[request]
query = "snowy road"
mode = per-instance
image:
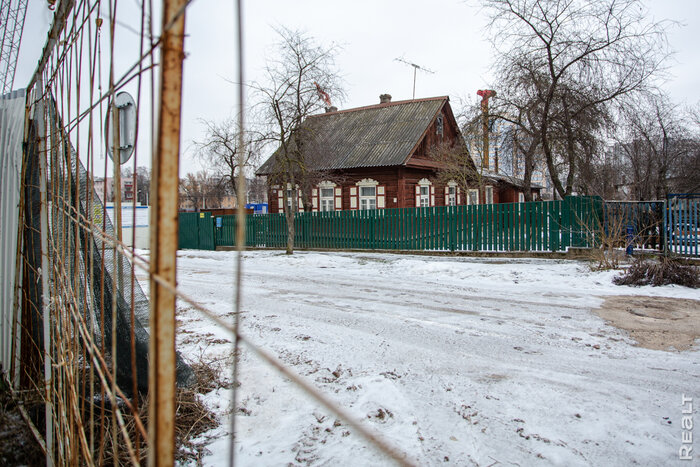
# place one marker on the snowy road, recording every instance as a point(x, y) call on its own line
point(454, 360)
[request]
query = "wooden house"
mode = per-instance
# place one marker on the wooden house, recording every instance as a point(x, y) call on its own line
point(379, 156)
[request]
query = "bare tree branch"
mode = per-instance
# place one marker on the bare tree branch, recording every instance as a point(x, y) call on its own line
point(571, 59)
point(287, 97)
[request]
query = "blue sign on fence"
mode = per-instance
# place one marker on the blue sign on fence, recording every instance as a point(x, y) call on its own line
point(219, 222)
point(630, 240)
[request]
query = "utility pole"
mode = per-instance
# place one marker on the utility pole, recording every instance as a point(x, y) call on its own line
point(415, 69)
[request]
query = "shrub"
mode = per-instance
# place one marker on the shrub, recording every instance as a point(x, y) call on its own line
point(660, 272)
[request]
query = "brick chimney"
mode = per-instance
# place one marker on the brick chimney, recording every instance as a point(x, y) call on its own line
point(384, 98)
point(332, 108)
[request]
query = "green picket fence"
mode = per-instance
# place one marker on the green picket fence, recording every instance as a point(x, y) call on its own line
point(535, 226)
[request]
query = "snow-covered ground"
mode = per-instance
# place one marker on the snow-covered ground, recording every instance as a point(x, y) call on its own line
point(453, 360)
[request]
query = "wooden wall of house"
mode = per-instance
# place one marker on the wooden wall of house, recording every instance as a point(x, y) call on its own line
point(400, 188)
point(505, 194)
point(385, 176)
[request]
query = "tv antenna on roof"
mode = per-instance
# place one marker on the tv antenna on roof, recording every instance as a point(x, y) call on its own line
point(415, 68)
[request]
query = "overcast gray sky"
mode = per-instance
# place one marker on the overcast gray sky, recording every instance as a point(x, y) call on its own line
point(446, 36)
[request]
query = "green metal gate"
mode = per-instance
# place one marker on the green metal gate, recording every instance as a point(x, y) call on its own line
point(196, 231)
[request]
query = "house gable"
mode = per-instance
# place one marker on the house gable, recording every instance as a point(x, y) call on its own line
point(443, 128)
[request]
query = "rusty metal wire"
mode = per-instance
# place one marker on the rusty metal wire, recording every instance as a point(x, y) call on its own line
point(86, 404)
point(75, 271)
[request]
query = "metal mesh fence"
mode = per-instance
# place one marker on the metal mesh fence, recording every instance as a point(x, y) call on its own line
point(94, 350)
point(82, 315)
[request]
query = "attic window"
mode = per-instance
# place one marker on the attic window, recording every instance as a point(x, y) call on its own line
point(439, 125)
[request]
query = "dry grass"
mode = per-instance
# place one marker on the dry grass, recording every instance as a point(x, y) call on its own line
point(660, 272)
point(192, 419)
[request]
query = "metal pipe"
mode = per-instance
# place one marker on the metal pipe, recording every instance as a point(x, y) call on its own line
point(164, 238)
point(44, 215)
point(240, 226)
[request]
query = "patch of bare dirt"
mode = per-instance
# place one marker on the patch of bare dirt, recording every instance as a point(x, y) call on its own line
point(17, 444)
point(657, 323)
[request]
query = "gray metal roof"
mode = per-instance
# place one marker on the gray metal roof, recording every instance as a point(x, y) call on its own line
point(375, 136)
point(518, 182)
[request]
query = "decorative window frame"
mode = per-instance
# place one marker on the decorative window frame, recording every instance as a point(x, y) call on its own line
point(317, 199)
point(425, 183)
point(280, 198)
point(356, 194)
point(457, 193)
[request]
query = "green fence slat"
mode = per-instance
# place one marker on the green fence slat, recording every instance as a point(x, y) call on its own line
point(540, 227)
point(493, 237)
point(491, 227)
point(430, 239)
point(413, 236)
point(508, 219)
point(533, 227)
point(500, 236)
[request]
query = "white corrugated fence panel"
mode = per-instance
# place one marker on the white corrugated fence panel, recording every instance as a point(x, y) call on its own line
point(12, 108)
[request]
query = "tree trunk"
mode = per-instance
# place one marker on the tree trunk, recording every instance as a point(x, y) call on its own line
point(290, 231)
point(529, 166)
point(289, 213)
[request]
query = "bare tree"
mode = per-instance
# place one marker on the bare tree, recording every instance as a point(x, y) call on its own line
point(577, 56)
point(461, 161)
point(516, 109)
point(660, 150)
point(313, 139)
point(257, 189)
point(191, 192)
point(456, 165)
point(202, 190)
point(143, 185)
point(288, 96)
point(220, 149)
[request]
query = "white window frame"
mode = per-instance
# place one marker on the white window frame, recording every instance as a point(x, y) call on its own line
point(290, 194)
point(367, 202)
point(424, 192)
point(521, 197)
point(488, 194)
point(326, 203)
point(451, 194)
point(424, 196)
point(473, 196)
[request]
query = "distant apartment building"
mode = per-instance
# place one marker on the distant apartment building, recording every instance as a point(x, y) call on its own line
point(104, 187)
point(505, 159)
point(203, 202)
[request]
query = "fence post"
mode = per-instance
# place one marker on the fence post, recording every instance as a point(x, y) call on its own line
point(45, 293)
point(164, 233)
